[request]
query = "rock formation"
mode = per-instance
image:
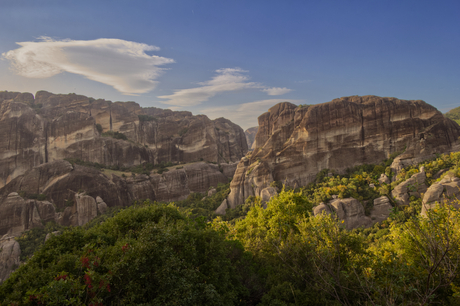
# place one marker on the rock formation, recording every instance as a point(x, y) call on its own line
point(294, 143)
point(48, 127)
point(251, 137)
point(61, 184)
point(444, 192)
point(9, 256)
point(414, 186)
point(351, 211)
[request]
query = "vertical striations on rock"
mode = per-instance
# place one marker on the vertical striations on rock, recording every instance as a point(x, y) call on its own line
point(294, 143)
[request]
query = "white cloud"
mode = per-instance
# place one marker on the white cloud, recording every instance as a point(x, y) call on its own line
point(122, 64)
point(227, 79)
point(245, 114)
point(276, 91)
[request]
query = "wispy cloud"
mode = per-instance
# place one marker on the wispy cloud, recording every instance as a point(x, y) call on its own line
point(276, 91)
point(227, 79)
point(245, 114)
point(122, 64)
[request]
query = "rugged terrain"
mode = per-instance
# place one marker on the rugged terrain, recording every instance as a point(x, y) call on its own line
point(294, 143)
point(42, 133)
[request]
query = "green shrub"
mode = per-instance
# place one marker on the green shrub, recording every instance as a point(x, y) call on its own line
point(116, 135)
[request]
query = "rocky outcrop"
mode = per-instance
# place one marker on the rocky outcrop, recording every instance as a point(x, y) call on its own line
point(414, 186)
point(381, 210)
point(294, 143)
point(221, 210)
point(444, 192)
point(351, 212)
point(50, 127)
point(86, 208)
point(18, 215)
point(251, 137)
point(266, 194)
point(10, 253)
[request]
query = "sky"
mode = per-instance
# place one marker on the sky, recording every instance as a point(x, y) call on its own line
point(232, 59)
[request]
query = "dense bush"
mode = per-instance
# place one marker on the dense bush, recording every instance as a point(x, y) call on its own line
point(149, 253)
point(159, 254)
point(116, 135)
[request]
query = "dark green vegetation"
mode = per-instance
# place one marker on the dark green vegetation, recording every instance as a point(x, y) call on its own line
point(454, 114)
point(144, 168)
point(158, 254)
point(144, 118)
point(116, 135)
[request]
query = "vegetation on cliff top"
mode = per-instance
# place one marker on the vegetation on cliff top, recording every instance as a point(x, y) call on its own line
point(454, 114)
point(163, 254)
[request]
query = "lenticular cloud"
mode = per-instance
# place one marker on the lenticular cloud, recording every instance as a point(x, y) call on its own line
point(122, 64)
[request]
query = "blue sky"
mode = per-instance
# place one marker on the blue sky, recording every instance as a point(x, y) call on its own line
point(232, 59)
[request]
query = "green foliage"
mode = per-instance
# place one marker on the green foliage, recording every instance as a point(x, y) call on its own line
point(195, 206)
point(183, 131)
point(116, 135)
point(144, 254)
point(31, 240)
point(33, 196)
point(454, 114)
point(144, 118)
point(99, 128)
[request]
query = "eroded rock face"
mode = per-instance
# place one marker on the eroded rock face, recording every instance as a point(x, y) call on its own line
point(60, 182)
point(52, 127)
point(294, 143)
point(10, 254)
point(18, 215)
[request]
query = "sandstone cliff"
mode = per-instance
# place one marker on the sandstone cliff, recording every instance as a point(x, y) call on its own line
point(294, 143)
point(49, 127)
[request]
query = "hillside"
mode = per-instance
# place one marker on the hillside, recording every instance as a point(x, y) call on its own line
point(151, 252)
point(454, 114)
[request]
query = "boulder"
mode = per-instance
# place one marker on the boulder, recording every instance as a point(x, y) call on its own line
point(49, 235)
point(212, 191)
point(444, 192)
point(321, 209)
point(351, 211)
point(384, 179)
point(381, 210)
point(414, 186)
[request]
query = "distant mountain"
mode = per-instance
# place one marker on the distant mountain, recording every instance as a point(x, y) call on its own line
point(454, 114)
point(251, 136)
